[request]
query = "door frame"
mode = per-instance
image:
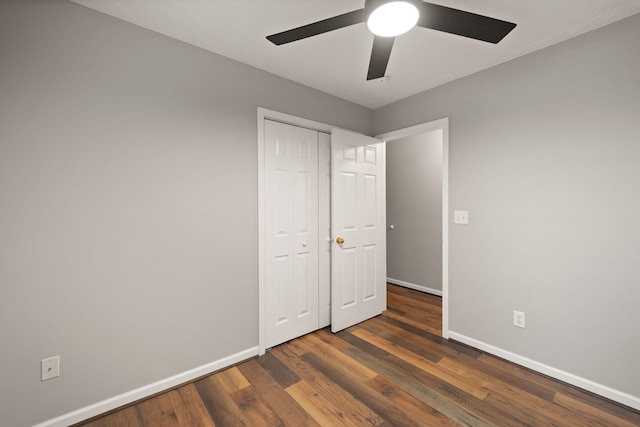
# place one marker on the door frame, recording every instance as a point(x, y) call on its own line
point(266, 114)
point(440, 124)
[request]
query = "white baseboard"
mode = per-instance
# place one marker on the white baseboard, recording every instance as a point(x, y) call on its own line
point(148, 390)
point(599, 389)
point(415, 287)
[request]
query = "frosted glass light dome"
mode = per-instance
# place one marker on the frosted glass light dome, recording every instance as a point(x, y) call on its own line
point(393, 18)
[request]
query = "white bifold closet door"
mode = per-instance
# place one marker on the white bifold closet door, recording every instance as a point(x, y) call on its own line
point(291, 231)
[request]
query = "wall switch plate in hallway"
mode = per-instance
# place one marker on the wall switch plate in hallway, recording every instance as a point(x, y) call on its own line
point(461, 217)
point(50, 368)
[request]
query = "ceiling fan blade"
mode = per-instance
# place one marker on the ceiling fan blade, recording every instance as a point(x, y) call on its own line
point(463, 23)
point(324, 26)
point(379, 57)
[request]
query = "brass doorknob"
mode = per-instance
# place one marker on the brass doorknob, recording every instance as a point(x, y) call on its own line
point(339, 240)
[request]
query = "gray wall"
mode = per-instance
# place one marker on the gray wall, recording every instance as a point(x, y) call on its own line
point(414, 208)
point(128, 204)
point(545, 155)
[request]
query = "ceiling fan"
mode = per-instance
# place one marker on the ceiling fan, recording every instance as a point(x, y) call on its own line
point(387, 19)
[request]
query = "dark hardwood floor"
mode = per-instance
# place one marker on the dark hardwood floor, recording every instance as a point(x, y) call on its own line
point(393, 370)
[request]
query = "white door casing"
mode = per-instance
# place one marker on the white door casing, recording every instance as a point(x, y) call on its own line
point(291, 231)
point(324, 225)
point(358, 217)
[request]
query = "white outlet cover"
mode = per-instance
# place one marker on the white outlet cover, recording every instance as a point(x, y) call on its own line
point(518, 319)
point(50, 368)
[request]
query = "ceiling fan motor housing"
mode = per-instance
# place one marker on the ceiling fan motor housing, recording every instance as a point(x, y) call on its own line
point(371, 5)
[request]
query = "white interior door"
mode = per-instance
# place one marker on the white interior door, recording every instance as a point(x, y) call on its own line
point(358, 224)
point(291, 231)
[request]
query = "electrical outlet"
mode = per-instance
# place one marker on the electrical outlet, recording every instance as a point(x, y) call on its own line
point(50, 368)
point(518, 319)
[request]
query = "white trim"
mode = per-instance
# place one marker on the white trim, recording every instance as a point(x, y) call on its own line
point(415, 287)
point(265, 114)
point(261, 245)
point(583, 383)
point(148, 390)
point(445, 228)
point(383, 260)
point(414, 130)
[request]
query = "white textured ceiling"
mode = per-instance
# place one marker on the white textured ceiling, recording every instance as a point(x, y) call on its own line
point(337, 62)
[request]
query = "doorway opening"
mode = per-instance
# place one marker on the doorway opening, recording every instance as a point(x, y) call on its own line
point(435, 132)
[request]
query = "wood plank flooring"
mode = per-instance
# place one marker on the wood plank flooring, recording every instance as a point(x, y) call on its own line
point(393, 370)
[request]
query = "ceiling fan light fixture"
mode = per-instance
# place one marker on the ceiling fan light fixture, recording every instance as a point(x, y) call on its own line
point(393, 18)
point(401, 16)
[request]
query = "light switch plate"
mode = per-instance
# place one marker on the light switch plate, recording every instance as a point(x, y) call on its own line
point(461, 217)
point(50, 368)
